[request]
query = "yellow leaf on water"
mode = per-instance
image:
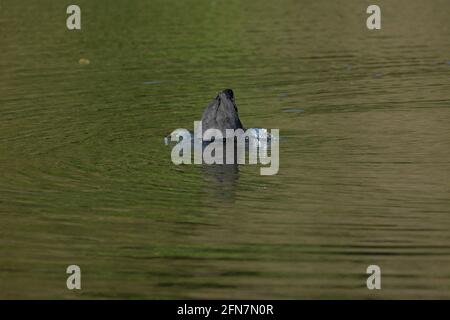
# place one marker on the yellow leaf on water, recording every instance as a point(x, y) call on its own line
point(84, 61)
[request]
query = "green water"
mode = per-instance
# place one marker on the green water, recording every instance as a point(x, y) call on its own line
point(86, 179)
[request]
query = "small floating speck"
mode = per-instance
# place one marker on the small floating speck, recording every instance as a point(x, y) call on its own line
point(448, 62)
point(152, 82)
point(293, 110)
point(84, 61)
point(377, 75)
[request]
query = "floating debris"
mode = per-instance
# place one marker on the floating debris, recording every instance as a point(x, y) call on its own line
point(448, 62)
point(84, 61)
point(377, 75)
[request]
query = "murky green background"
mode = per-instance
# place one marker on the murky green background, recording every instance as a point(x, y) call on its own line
point(86, 179)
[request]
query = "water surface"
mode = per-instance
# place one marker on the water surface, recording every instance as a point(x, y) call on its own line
point(86, 179)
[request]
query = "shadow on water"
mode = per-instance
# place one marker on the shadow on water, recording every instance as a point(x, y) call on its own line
point(222, 176)
point(222, 179)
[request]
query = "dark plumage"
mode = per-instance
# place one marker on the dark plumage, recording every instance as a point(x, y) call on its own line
point(222, 113)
